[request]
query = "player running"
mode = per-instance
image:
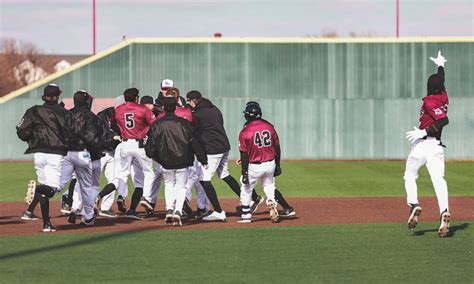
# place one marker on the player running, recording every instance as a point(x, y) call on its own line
point(427, 149)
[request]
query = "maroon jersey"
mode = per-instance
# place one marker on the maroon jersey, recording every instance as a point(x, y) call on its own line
point(134, 120)
point(434, 107)
point(258, 139)
point(183, 112)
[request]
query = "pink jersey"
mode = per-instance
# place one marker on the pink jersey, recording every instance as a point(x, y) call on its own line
point(134, 120)
point(183, 112)
point(258, 139)
point(434, 107)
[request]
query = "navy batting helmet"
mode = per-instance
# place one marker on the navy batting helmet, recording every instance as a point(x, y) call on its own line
point(252, 111)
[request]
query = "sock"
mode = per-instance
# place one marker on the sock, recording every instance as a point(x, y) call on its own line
point(137, 194)
point(281, 200)
point(70, 191)
point(254, 195)
point(107, 190)
point(234, 185)
point(44, 203)
point(35, 201)
point(211, 195)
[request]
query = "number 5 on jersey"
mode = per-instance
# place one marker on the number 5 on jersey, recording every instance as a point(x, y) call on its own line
point(129, 122)
point(262, 139)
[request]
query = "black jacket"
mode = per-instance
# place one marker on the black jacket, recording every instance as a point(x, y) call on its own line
point(210, 127)
point(108, 128)
point(173, 143)
point(86, 132)
point(47, 129)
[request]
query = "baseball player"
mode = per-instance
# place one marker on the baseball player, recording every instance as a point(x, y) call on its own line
point(259, 148)
point(173, 143)
point(83, 158)
point(47, 130)
point(427, 149)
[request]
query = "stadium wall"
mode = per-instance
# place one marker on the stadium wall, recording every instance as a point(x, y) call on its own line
point(328, 98)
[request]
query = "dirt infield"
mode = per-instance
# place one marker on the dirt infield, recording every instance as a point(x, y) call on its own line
point(309, 211)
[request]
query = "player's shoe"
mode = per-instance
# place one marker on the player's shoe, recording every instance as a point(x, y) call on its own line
point(177, 219)
point(72, 217)
point(254, 204)
point(132, 214)
point(47, 228)
point(201, 212)
point(245, 218)
point(121, 204)
point(415, 212)
point(97, 202)
point(187, 210)
point(30, 192)
point(272, 206)
point(65, 208)
point(445, 218)
point(287, 213)
point(215, 216)
point(169, 216)
point(147, 205)
point(108, 213)
point(29, 216)
point(89, 222)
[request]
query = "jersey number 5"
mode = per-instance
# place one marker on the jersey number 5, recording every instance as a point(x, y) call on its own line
point(262, 139)
point(129, 122)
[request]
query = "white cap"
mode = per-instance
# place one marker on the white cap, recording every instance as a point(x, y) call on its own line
point(167, 83)
point(120, 100)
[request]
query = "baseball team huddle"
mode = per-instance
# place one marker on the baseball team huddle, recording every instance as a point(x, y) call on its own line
point(183, 143)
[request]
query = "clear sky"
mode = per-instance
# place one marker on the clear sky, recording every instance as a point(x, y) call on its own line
point(65, 26)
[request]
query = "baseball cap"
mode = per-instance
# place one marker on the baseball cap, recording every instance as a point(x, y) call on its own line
point(51, 90)
point(167, 83)
point(146, 100)
point(193, 95)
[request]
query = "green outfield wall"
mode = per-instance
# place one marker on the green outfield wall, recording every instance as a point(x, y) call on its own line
point(328, 99)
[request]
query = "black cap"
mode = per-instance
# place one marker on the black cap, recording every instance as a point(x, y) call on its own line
point(193, 95)
point(51, 90)
point(169, 104)
point(146, 100)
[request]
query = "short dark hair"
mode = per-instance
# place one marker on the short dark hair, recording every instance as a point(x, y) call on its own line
point(169, 104)
point(193, 95)
point(130, 94)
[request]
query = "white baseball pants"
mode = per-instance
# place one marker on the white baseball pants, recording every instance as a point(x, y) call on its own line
point(426, 152)
point(263, 171)
point(175, 188)
point(48, 169)
point(107, 165)
point(195, 174)
point(216, 163)
point(151, 193)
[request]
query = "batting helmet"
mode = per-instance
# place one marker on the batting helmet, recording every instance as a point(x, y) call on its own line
point(252, 111)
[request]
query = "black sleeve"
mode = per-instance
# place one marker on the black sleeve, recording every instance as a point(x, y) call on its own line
point(278, 154)
point(91, 134)
point(150, 144)
point(441, 73)
point(25, 127)
point(244, 162)
point(437, 126)
point(196, 144)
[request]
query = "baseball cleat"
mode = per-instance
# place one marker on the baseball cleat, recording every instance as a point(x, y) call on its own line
point(287, 213)
point(72, 217)
point(274, 216)
point(30, 193)
point(65, 209)
point(147, 205)
point(254, 204)
point(89, 222)
point(215, 216)
point(245, 218)
point(415, 212)
point(132, 214)
point(169, 216)
point(444, 226)
point(107, 213)
point(200, 213)
point(121, 204)
point(49, 228)
point(177, 219)
point(29, 216)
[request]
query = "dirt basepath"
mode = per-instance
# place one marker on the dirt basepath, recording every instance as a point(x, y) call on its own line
point(309, 211)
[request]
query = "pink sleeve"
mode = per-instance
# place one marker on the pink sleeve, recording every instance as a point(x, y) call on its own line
point(435, 109)
point(242, 145)
point(149, 116)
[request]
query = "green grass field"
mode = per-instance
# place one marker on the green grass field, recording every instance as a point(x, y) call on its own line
point(306, 254)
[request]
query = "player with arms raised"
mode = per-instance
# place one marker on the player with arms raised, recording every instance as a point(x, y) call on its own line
point(259, 148)
point(428, 149)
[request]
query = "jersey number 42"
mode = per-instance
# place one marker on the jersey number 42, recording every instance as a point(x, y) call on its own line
point(262, 139)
